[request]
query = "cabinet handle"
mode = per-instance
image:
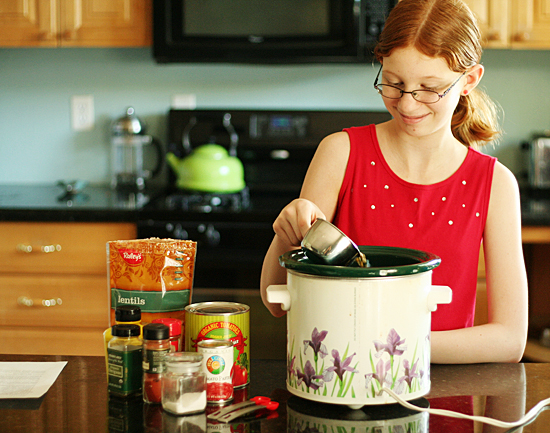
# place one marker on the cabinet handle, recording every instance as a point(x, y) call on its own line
point(494, 36)
point(28, 302)
point(46, 36)
point(26, 248)
point(70, 35)
point(522, 37)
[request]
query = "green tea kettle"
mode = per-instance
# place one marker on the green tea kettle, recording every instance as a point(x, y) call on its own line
point(210, 167)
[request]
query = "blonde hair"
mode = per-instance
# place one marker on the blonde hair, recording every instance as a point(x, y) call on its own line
point(446, 29)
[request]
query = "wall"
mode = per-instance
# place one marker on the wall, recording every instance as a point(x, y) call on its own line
point(37, 144)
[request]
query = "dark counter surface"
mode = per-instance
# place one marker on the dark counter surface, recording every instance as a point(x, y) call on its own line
point(78, 401)
point(98, 203)
point(52, 203)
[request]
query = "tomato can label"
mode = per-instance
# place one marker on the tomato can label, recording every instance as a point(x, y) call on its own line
point(217, 364)
point(222, 321)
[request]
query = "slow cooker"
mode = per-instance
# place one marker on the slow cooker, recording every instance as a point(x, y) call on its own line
point(353, 331)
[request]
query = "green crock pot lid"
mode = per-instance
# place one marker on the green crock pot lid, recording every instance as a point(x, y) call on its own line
point(384, 262)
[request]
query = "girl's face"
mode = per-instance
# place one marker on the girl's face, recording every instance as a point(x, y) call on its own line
point(410, 70)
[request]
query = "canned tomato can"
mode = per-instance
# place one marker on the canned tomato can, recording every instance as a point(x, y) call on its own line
point(222, 321)
point(217, 363)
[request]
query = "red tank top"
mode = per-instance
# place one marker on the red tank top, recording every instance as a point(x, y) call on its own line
point(376, 207)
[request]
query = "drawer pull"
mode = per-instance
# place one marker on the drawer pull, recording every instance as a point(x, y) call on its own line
point(26, 248)
point(28, 302)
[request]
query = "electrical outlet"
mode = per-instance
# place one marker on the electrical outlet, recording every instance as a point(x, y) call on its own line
point(184, 101)
point(82, 112)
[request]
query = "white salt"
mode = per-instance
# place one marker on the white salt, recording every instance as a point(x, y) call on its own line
point(188, 403)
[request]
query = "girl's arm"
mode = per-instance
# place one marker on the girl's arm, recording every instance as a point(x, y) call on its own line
point(318, 199)
point(504, 337)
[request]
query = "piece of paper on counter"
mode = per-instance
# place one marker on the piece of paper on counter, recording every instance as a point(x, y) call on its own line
point(28, 379)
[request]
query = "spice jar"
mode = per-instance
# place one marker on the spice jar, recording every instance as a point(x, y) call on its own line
point(175, 331)
point(125, 361)
point(156, 344)
point(124, 315)
point(184, 384)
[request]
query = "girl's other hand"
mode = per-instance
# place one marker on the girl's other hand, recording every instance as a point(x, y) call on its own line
point(295, 220)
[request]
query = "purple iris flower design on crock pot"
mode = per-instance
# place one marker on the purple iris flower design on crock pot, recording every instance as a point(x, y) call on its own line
point(340, 366)
point(290, 366)
point(316, 343)
point(382, 374)
point(309, 377)
point(410, 373)
point(394, 345)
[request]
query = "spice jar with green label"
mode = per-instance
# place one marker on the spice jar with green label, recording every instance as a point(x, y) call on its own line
point(156, 344)
point(124, 355)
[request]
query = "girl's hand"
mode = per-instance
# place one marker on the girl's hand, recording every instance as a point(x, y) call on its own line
point(295, 220)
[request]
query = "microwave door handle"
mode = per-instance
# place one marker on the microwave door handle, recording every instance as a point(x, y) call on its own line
point(233, 136)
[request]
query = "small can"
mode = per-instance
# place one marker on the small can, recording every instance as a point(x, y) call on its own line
point(221, 321)
point(217, 363)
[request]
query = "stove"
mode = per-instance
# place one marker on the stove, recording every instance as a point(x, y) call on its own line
point(207, 202)
point(234, 231)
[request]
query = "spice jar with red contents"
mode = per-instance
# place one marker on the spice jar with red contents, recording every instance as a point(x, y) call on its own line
point(175, 331)
point(156, 344)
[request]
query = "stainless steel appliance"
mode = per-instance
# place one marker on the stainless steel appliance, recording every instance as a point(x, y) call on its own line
point(539, 162)
point(267, 31)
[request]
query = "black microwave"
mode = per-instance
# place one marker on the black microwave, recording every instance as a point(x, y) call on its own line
point(267, 31)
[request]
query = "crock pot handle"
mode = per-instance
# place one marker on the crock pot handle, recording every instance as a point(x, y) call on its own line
point(439, 295)
point(279, 294)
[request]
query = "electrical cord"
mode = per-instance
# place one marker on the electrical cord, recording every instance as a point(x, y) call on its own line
point(486, 420)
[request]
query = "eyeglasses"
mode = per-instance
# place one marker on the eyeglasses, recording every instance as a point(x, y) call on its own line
point(424, 96)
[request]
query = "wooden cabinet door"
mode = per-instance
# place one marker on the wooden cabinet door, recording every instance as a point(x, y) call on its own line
point(58, 248)
point(492, 16)
point(30, 23)
point(81, 301)
point(530, 25)
point(75, 23)
point(105, 23)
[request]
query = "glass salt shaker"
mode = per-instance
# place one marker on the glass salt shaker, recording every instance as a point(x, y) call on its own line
point(183, 383)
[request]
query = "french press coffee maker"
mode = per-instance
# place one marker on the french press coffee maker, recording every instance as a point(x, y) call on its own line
point(128, 141)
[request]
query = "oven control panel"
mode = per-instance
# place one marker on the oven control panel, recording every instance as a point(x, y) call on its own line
point(276, 126)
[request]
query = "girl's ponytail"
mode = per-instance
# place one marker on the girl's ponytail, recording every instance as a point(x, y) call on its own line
point(475, 121)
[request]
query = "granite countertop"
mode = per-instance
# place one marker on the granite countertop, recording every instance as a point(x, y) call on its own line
point(78, 401)
point(52, 203)
point(99, 203)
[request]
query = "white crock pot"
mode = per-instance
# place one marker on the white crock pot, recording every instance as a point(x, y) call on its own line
point(352, 331)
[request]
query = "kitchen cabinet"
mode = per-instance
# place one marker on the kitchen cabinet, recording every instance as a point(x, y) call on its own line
point(537, 252)
point(517, 24)
point(75, 23)
point(54, 296)
point(536, 247)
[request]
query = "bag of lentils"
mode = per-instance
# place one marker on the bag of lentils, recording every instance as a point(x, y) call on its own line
point(153, 274)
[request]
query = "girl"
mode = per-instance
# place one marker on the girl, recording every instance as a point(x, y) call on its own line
point(417, 182)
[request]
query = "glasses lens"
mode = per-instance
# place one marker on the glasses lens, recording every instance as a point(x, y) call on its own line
point(389, 91)
point(426, 96)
